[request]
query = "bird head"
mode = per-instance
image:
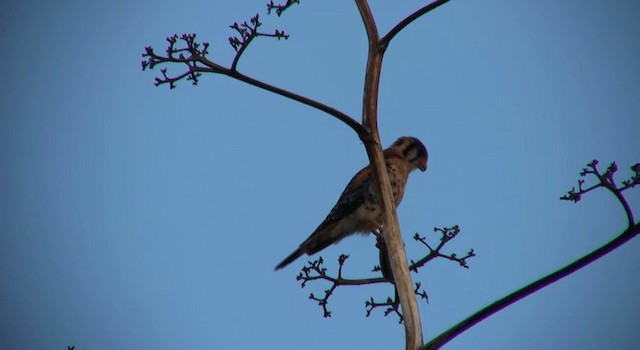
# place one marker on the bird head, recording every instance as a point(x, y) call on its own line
point(413, 152)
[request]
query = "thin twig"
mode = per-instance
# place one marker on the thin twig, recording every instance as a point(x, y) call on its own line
point(315, 271)
point(447, 234)
point(248, 32)
point(606, 180)
point(280, 8)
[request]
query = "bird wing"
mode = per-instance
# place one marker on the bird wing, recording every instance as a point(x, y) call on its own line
point(350, 200)
point(326, 234)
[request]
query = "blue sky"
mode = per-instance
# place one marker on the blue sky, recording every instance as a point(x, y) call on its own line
point(134, 217)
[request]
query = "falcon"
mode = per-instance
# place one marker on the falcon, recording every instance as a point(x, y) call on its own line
point(358, 209)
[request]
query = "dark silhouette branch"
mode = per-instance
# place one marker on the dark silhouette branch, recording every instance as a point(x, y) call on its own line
point(248, 32)
point(491, 309)
point(448, 233)
point(315, 271)
point(384, 42)
point(194, 56)
point(606, 181)
point(352, 123)
point(280, 8)
point(393, 305)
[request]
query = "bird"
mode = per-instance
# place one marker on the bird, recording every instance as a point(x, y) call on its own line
point(358, 209)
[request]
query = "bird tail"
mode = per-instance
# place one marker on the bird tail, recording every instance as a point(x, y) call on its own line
point(288, 260)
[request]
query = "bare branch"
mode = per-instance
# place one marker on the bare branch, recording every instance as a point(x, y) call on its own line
point(447, 234)
point(634, 180)
point(194, 56)
point(391, 233)
point(314, 271)
point(493, 308)
point(363, 134)
point(247, 32)
point(393, 305)
point(606, 181)
point(280, 8)
point(384, 42)
point(368, 21)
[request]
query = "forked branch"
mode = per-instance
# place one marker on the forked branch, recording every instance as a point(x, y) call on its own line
point(193, 55)
point(316, 271)
point(606, 180)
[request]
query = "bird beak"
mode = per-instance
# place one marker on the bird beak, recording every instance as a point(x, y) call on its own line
point(422, 166)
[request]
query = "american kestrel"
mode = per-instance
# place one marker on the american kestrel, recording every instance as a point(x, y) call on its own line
point(358, 209)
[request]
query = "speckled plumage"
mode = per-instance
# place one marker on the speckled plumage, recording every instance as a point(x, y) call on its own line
point(358, 209)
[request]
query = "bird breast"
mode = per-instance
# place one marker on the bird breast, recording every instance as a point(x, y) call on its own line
point(371, 210)
point(398, 174)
